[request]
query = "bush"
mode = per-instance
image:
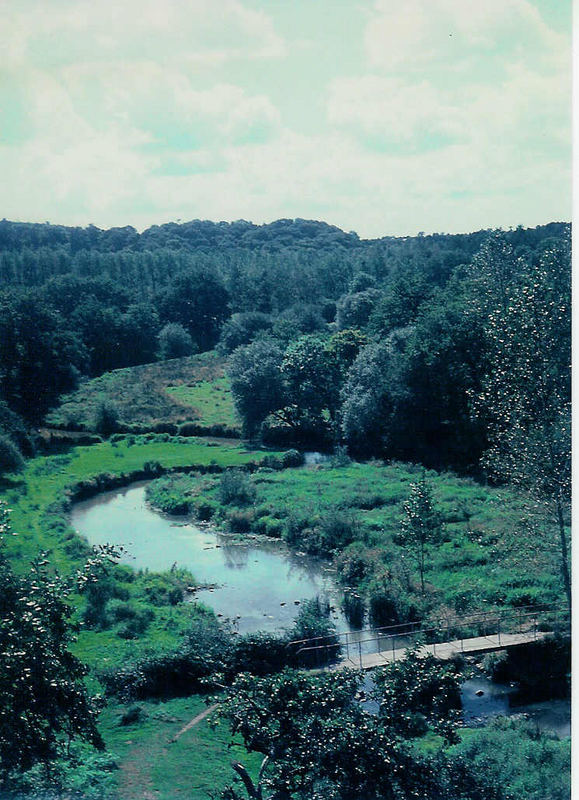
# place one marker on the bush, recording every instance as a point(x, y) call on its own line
point(240, 521)
point(171, 493)
point(11, 459)
point(175, 342)
point(106, 417)
point(132, 715)
point(391, 603)
point(235, 488)
point(206, 650)
point(204, 510)
point(136, 620)
point(292, 458)
point(336, 530)
point(340, 457)
point(313, 622)
point(259, 654)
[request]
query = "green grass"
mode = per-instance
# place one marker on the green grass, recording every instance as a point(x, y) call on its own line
point(153, 766)
point(210, 400)
point(46, 479)
point(495, 549)
point(150, 766)
point(191, 389)
point(39, 523)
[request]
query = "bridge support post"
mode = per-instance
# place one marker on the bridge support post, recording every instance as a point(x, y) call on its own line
point(499, 630)
point(360, 653)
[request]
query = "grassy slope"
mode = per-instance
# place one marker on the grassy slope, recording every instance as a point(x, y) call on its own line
point(192, 389)
point(210, 399)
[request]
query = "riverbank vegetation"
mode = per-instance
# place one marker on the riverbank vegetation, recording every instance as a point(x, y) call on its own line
point(489, 550)
point(440, 362)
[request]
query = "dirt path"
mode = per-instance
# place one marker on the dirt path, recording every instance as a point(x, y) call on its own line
point(194, 722)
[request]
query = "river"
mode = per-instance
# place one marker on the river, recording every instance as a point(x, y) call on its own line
point(259, 584)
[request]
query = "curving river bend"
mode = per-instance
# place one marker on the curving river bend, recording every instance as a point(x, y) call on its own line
point(258, 584)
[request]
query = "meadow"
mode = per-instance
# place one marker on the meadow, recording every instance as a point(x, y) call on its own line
point(164, 395)
point(494, 549)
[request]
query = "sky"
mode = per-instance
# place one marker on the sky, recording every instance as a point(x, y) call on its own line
point(385, 117)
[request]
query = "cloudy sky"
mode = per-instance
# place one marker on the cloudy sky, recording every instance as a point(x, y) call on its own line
point(380, 116)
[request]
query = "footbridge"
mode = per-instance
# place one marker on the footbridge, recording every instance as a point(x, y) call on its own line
point(444, 637)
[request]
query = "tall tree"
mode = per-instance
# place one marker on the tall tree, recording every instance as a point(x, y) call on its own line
point(526, 393)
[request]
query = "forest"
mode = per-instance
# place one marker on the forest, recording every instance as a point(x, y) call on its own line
point(433, 374)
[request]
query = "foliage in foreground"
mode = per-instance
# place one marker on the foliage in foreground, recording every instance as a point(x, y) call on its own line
point(317, 740)
point(43, 702)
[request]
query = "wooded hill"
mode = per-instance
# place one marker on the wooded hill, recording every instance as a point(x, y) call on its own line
point(399, 325)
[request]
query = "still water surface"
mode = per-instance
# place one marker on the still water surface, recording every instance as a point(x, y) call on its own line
point(259, 584)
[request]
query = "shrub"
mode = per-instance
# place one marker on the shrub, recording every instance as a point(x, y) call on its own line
point(204, 510)
point(175, 342)
point(259, 654)
point(354, 564)
point(235, 488)
point(189, 429)
point(152, 468)
point(313, 622)
point(340, 457)
point(132, 715)
point(391, 603)
point(106, 417)
point(240, 521)
point(206, 650)
point(292, 458)
point(11, 459)
point(166, 588)
point(171, 493)
point(333, 531)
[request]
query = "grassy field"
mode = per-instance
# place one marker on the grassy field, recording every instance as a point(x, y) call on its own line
point(494, 550)
point(191, 389)
point(211, 401)
point(154, 766)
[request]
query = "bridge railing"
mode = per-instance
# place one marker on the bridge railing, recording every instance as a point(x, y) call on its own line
point(394, 639)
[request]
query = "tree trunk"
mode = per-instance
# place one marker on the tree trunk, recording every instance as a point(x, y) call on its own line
point(564, 556)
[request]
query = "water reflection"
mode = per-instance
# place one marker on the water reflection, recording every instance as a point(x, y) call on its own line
point(258, 582)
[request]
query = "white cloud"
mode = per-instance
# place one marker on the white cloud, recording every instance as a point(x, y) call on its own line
point(137, 112)
point(393, 111)
point(71, 31)
point(427, 32)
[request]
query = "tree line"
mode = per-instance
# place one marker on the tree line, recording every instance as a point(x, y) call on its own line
point(379, 344)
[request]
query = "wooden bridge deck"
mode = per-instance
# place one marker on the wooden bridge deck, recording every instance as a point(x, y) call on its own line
point(442, 650)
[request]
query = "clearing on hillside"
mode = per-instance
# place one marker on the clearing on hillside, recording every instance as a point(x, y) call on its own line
point(194, 390)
